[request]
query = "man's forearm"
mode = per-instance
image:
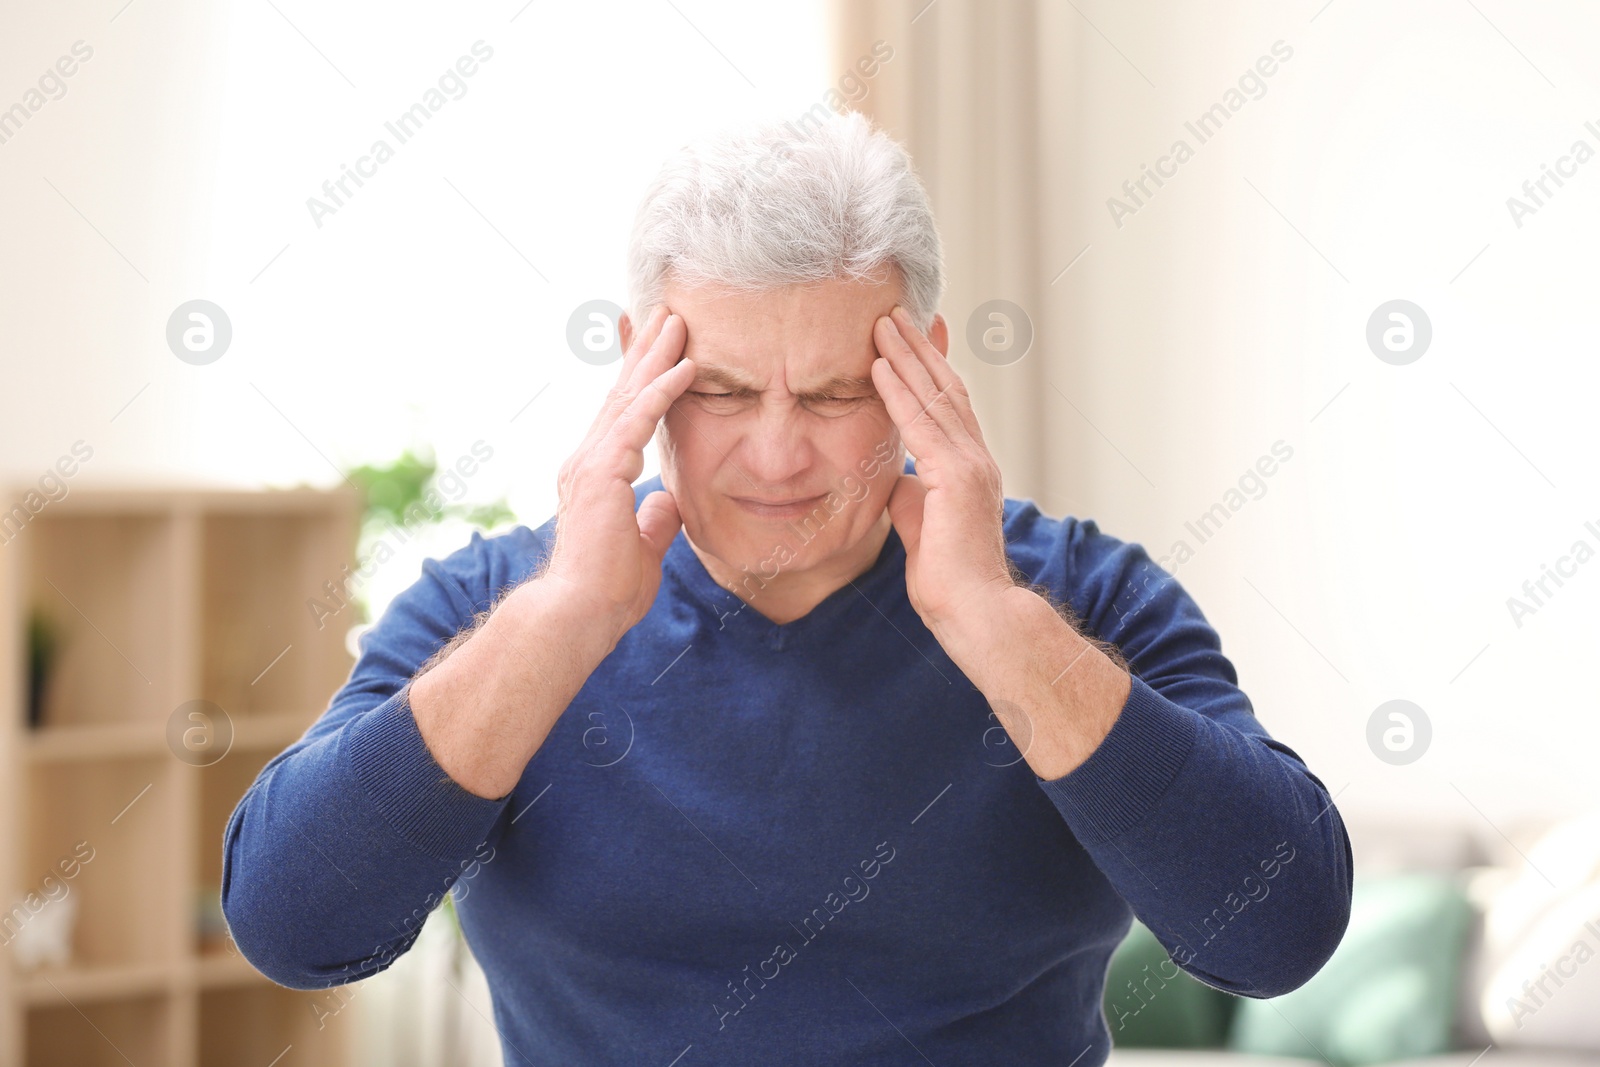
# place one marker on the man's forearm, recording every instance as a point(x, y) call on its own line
point(1186, 816)
point(488, 705)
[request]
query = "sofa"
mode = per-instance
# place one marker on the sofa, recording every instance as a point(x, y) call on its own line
point(1469, 944)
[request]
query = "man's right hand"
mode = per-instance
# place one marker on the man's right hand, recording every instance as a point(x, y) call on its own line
point(606, 555)
point(485, 708)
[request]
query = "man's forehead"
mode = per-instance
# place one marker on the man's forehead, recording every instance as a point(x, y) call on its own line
point(747, 353)
point(734, 378)
point(812, 338)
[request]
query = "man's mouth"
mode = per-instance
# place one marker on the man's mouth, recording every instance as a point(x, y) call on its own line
point(779, 509)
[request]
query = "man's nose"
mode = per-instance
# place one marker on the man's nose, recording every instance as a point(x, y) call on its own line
point(775, 448)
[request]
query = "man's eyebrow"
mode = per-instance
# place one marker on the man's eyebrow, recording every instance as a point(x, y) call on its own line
point(734, 381)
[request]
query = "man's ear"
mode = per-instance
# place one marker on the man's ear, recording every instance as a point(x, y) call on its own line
point(938, 333)
point(625, 331)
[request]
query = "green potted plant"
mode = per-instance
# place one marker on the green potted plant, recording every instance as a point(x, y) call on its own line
point(43, 642)
point(392, 492)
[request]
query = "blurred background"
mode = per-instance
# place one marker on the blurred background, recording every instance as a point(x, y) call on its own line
point(1298, 295)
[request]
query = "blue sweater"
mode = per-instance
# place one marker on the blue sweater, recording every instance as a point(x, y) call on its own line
point(808, 843)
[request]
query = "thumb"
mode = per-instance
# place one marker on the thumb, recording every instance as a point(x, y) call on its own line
point(659, 522)
point(905, 510)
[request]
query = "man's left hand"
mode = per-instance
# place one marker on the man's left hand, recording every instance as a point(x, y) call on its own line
point(949, 513)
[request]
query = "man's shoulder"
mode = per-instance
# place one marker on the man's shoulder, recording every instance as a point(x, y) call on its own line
point(490, 563)
point(1035, 540)
point(1067, 554)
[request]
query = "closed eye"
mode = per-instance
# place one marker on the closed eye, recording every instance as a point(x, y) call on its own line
point(721, 403)
point(837, 404)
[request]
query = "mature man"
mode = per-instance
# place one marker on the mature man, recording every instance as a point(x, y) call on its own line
point(801, 752)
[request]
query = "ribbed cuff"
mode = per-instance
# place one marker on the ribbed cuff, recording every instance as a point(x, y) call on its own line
point(1123, 779)
point(418, 798)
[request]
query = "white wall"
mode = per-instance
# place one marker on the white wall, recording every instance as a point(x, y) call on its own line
point(1194, 336)
point(1227, 313)
point(1379, 561)
point(192, 140)
point(430, 308)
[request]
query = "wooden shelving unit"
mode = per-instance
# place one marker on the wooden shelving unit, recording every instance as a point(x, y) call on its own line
point(159, 598)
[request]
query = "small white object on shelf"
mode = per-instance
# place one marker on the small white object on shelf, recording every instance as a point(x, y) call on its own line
point(45, 935)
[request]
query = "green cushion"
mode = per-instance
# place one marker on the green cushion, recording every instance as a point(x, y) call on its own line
point(1389, 991)
point(1150, 1003)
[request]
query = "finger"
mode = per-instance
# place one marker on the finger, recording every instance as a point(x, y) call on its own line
point(905, 510)
point(662, 353)
point(928, 405)
point(665, 347)
point(932, 359)
point(944, 376)
point(636, 424)
point(620, 449)
point(675, 336)
point(643, 340)
point(938, 404)
point(923, 436)
point(659, 522)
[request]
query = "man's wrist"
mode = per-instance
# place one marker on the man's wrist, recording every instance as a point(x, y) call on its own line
point(554, 605)
point(1060, 693)
point(985, 627)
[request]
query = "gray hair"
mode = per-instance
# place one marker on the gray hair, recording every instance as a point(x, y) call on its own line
point(774, 204)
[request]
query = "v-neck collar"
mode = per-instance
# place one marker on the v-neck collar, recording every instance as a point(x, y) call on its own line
point(731, 614)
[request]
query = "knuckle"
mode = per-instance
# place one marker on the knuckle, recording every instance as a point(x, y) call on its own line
point(572, 470)
point(618, 402)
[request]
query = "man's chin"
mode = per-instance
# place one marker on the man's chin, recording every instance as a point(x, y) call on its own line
point(743, 542)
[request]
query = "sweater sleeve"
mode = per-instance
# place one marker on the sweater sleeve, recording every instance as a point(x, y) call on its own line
point(1217, 835)
point(349, 838)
